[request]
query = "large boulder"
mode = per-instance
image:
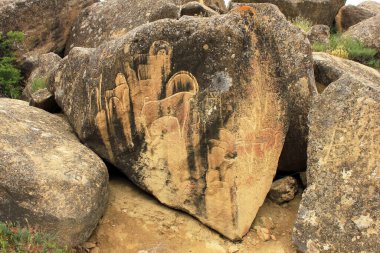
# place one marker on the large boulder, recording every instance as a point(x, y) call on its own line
point(194, 111)
point(112, 19)
point(326, 71)
point(46, 23)
point(367, 32)
point(371, 5)
point(350, 15)
point(48, 179)
point(339, 210)
point(319, 12)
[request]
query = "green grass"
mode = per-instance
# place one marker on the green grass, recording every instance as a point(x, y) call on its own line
point(14, 238)
point(10, 75)
point(349, 48)
point(302, 23)
point(38, 84)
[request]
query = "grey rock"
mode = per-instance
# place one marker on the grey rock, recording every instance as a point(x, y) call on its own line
point(339, 211)
point(283, 190)
point(367, 32)
point(350, 15)
point(319, 33)
point(48, 179)
point(167, 10)
point(328, 69)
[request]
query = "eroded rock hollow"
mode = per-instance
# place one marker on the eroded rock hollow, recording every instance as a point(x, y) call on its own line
point(195, 110)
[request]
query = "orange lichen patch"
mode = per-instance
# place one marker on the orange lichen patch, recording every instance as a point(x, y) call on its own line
point(245, 8)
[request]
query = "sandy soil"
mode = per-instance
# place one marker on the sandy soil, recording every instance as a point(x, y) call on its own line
point(137, 223)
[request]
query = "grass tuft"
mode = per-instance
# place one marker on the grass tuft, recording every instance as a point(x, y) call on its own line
point(349, 48)
point(302, 23)
point(14, 238)
point(38, 84)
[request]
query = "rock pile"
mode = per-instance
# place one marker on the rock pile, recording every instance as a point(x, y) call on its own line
point(200, 107)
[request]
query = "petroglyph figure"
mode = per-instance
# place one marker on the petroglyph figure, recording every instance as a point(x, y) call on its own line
point(194, 150)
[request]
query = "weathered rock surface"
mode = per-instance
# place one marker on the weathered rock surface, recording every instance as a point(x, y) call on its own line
point(46, 23)
point(47, 178)
point(283, 190)
point(114, 18)
point(133, 216)
point(339, 210)
point(293, 156)
point(371, 5)
point(319, 12)
point(319, 33)
point(40, 68)
point(367, 32)
point(193, 110)
point(44, 100)
point(328, 69)
point(350, 15)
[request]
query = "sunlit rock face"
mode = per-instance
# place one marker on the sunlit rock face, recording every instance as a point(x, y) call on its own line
point(194, 111)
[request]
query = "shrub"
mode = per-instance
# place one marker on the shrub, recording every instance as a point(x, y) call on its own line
point(302, 23)
point(10, 76)
point(349, 48)
point(38, 84)
point(13, 238)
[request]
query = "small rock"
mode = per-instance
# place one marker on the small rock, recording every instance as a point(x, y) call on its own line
point(283, 190)
point(319, 34)
point(267, 222)
point(263, 233)
point(233, 249)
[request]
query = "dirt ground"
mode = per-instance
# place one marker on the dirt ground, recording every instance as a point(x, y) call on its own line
point(137, 223)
